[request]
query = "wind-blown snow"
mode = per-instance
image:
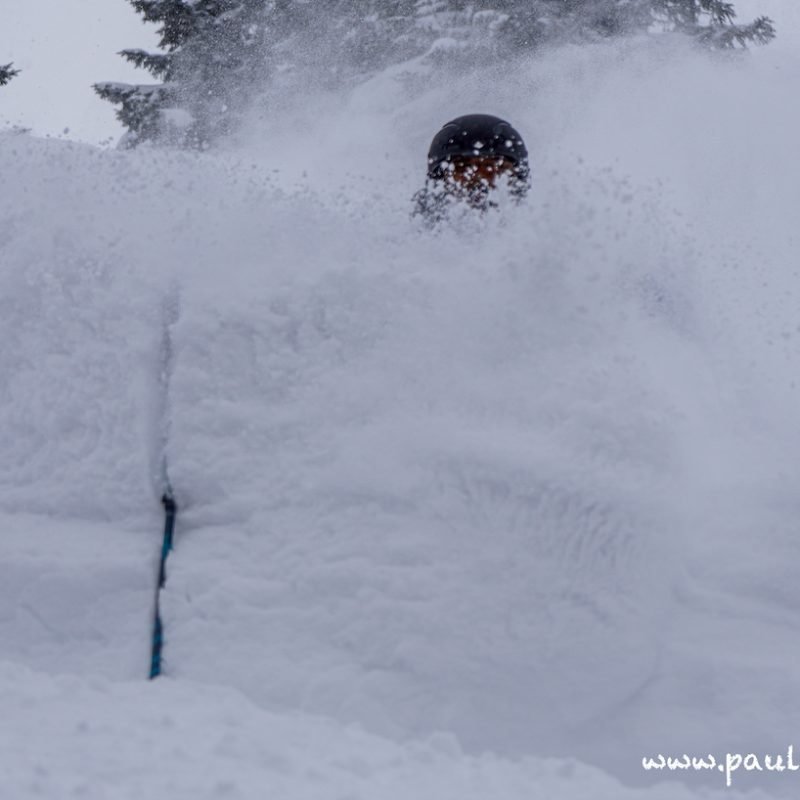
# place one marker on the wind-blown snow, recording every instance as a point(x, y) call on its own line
point(523, 485)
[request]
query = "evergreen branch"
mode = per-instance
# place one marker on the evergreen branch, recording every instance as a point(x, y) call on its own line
point(760, 31)
point(6, 74)
point(178, 18)
point(719, 11)
point(158, 64)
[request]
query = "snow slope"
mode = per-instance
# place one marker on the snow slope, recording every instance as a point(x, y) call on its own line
point(523, 486)
point(183, 740)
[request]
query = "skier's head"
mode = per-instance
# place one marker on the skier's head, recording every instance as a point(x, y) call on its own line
point(470, 153)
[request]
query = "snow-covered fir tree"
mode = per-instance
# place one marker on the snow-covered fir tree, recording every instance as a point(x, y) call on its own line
point(508, 25)
point(7, 73)
point(216, 55)
point(712, 22)
point(212, 57)
point(362, 37)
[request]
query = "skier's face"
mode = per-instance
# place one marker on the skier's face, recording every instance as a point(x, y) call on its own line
point(479, 172)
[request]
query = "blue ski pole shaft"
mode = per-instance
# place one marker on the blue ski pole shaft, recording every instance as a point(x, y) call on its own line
point(170, 513)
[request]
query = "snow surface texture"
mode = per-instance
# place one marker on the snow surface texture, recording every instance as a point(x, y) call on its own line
point(523, 486)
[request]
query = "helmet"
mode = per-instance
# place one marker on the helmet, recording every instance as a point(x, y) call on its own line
point(477, 135)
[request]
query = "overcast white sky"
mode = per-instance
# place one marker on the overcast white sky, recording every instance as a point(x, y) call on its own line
point(64, 46)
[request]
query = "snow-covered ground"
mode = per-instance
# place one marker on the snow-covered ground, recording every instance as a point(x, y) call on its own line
point(491, 512)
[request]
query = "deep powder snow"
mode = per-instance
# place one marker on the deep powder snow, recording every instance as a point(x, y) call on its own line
point(526, 481)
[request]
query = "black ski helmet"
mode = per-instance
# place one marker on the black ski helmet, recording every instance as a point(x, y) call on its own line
point(477, 135)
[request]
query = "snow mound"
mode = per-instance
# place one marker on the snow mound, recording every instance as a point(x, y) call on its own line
point(188, 741)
